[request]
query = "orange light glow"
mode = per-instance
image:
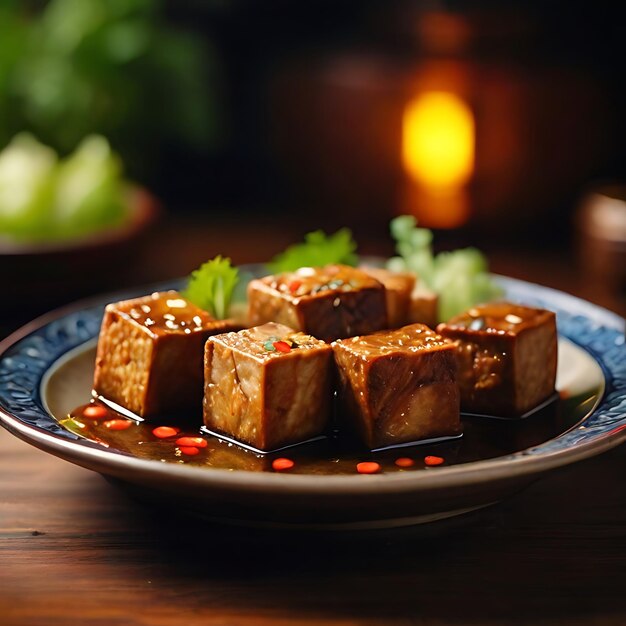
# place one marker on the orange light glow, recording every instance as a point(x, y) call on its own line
point(438, 140)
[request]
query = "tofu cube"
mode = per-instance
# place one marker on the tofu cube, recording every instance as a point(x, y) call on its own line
point(399, 386)
point(423, 306)
point(398, 289)
point(330, 302)
point(268, 386)
point(506, 357)
point(150, 349)
point(408, 300)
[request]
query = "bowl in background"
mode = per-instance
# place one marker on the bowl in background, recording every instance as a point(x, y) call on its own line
point(39, 276)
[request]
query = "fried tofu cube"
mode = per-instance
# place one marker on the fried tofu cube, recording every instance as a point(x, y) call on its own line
point(329, 302)
point(399, 386)
point(423, 306)
point(268, 386)
point(408, 300)
point(398, 289)
point(150, 350)
point(507, 357)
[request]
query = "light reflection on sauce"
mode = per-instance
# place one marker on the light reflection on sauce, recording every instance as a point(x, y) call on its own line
point(165, 312)
point(308, 281)
point(499, 318)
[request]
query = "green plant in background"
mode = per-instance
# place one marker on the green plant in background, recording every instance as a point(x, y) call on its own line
point(74, 67)
point(44, 198)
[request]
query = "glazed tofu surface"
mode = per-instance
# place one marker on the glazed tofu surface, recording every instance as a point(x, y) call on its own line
point(267, 386)
point(149, 357)
point(507, 355)
point(331, 302)
point(399, 386)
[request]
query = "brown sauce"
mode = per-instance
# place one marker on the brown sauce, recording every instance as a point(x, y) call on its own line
point(258, 342)
point(164, 313)
point(405, 340)
point(499, 317)
point(308, 281)
point(483, 438)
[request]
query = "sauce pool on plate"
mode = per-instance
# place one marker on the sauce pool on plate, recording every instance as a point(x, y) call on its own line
point(173, 441)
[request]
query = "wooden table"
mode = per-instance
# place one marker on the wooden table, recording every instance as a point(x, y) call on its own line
point(75, 550)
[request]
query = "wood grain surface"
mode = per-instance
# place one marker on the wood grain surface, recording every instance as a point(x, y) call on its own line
point(75, 550)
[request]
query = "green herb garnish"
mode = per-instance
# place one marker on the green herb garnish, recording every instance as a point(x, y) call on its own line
point(317, 250)
point(211, 286)
point(460, 278)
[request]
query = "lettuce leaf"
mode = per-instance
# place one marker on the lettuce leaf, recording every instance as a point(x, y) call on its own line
point(460, 278)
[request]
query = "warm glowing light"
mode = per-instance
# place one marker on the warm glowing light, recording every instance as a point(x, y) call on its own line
point(438, 140)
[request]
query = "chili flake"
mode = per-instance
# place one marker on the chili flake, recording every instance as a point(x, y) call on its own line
point(189, 450)
point(117, 424)
point(282, 464)
point(95, 412)
point(433, 460)
point(163, 432)
point(282, 346)
point(368, 467)
point(194, 442)
point(404, 461)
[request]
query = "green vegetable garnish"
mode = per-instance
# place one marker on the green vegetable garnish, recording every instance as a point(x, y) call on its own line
point(211, 286)
point(45, 198)
point(73, 425)
point(460, 278)
point(318, 249)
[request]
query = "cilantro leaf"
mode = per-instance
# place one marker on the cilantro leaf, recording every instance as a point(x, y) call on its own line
point(317, 250)
point(211, 286)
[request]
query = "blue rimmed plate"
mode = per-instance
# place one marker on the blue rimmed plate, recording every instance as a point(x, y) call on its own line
point(46, 370)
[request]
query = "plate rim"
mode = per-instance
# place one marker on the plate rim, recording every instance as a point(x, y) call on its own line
point(502, 468)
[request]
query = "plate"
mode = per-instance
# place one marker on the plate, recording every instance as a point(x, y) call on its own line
point(45, 372)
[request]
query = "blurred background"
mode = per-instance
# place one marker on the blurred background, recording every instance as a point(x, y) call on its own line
point(243, 125)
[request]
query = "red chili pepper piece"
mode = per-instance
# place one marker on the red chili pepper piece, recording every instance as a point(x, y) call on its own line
point(282, 346)
point(294, 285)
point(117, 424)
point(95, 412)
point(368, 467)
point(282, 464)
point(163, 432)
point(194, 442)
point(189, 450)
point(433, 460)
point(404, 461)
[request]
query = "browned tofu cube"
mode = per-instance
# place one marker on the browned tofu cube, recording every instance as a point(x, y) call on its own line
point(408, 300)
point(150, 351)
point(506, 356)
point(398, 289)
point(423, 306)
point(399, 386)
point(329, 302)
point(268, 386)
